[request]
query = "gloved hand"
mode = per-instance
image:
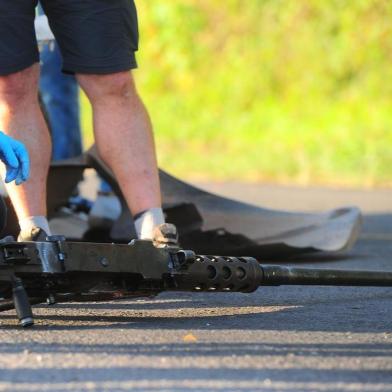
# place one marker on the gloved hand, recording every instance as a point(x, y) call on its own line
point(16, 159)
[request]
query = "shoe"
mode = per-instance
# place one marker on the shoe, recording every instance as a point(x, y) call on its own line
point(165, 236)
point(36, 234)
point(105, 210)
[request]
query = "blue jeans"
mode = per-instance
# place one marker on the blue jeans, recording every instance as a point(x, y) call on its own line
point(60, 95)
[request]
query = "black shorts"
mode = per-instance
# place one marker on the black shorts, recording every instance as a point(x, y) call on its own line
point(94, 36)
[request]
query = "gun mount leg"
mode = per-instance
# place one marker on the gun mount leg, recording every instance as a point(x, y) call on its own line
point(21, 303)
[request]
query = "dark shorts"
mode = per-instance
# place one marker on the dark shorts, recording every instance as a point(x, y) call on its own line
point(94, 36)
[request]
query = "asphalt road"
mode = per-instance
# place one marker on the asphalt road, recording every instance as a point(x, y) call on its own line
point(277, 339)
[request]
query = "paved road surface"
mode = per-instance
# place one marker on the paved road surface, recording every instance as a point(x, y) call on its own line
point(277, 339)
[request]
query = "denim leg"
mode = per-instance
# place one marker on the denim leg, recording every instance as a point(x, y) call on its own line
point(60, 95)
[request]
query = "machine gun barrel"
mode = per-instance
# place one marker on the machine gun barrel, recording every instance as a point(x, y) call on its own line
point(286, 275)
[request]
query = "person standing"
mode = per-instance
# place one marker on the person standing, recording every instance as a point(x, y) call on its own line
point(98, 41)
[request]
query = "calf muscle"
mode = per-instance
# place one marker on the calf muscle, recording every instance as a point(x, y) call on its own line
point(21, 117)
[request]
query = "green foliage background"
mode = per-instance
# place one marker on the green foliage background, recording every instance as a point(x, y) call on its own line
point(284, 90)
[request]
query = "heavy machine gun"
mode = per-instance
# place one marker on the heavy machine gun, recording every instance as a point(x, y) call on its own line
point(58, 271)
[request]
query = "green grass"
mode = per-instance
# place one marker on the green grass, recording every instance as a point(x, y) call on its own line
point(294, 91)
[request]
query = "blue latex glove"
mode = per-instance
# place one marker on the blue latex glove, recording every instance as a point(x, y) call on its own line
point(16, 159)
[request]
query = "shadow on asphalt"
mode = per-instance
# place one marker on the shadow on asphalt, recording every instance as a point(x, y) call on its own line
point(209, 349)
point(118, 374)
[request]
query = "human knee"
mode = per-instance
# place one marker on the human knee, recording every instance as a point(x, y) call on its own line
point(118, 85)
point(16, 87)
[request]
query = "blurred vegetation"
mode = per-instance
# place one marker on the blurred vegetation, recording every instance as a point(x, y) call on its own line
point(269, 90)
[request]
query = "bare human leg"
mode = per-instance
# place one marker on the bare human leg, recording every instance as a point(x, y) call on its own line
point(124, 137)
point(21, 117)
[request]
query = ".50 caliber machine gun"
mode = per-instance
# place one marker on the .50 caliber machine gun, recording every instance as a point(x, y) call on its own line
point(61, 271)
